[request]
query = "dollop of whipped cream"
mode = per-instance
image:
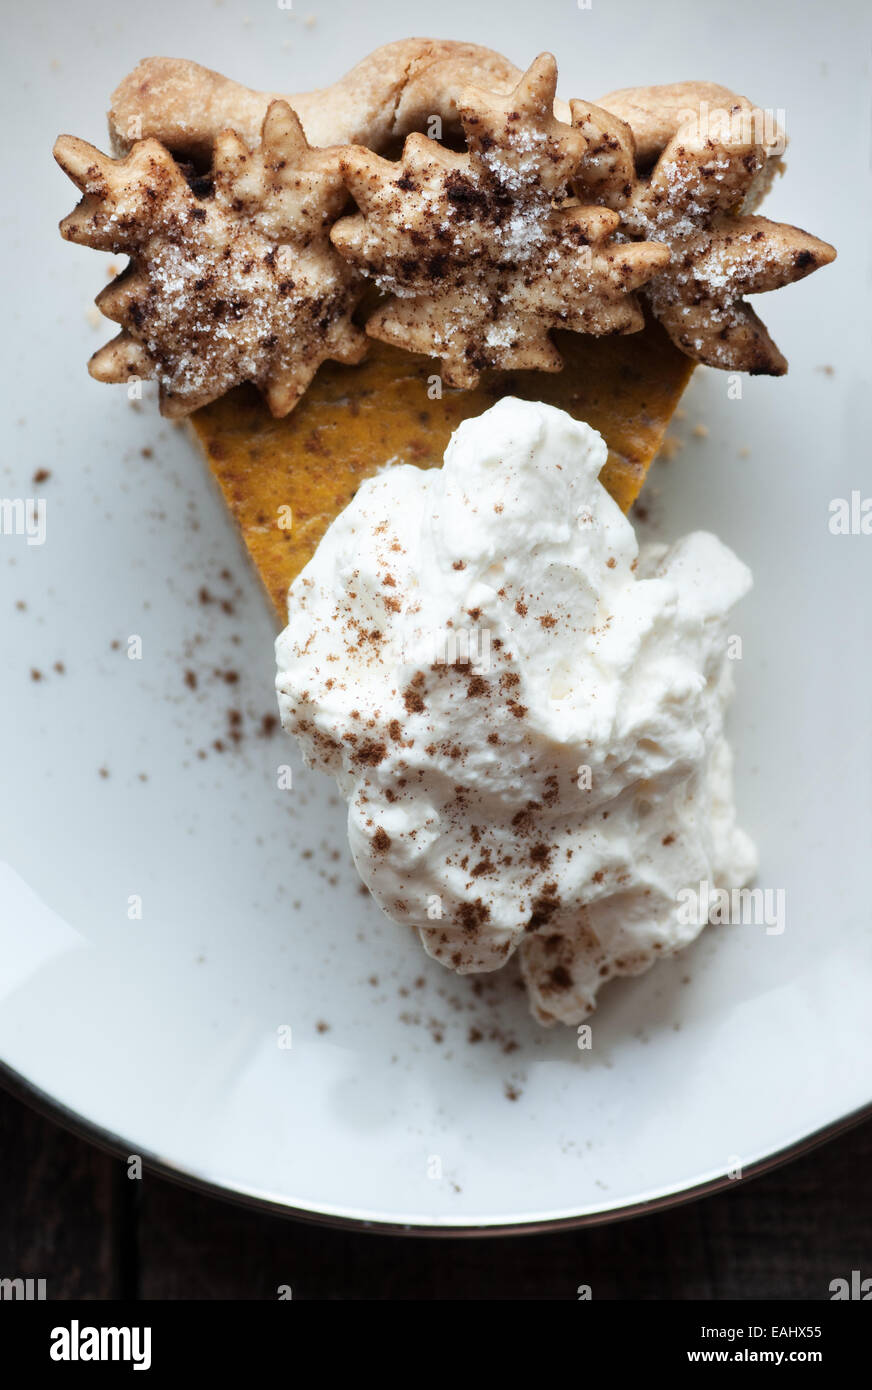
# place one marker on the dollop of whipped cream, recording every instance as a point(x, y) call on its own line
point(524, 711)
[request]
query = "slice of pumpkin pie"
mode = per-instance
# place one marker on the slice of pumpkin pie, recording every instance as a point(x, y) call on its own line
point(456, 235)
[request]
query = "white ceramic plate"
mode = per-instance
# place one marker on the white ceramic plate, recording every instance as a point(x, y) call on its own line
point(162, 1031)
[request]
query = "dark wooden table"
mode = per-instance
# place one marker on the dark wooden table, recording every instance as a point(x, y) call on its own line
point(69, 1214)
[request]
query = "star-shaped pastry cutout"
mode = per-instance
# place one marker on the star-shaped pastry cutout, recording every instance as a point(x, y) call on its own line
point(483, 253)
point(232, 276)
point(695, 200)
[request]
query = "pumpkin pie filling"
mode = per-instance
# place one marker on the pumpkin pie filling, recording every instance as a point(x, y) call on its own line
point(285, 480)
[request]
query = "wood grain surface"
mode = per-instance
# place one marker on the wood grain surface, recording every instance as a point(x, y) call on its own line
point(69, 1214)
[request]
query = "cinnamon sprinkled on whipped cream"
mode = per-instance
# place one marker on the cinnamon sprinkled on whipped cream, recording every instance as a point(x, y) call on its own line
point(523, 710)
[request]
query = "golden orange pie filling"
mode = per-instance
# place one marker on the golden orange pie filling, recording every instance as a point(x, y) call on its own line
point(285, 480)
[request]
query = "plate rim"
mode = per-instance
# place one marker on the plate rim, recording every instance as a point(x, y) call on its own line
point(43, 1103)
